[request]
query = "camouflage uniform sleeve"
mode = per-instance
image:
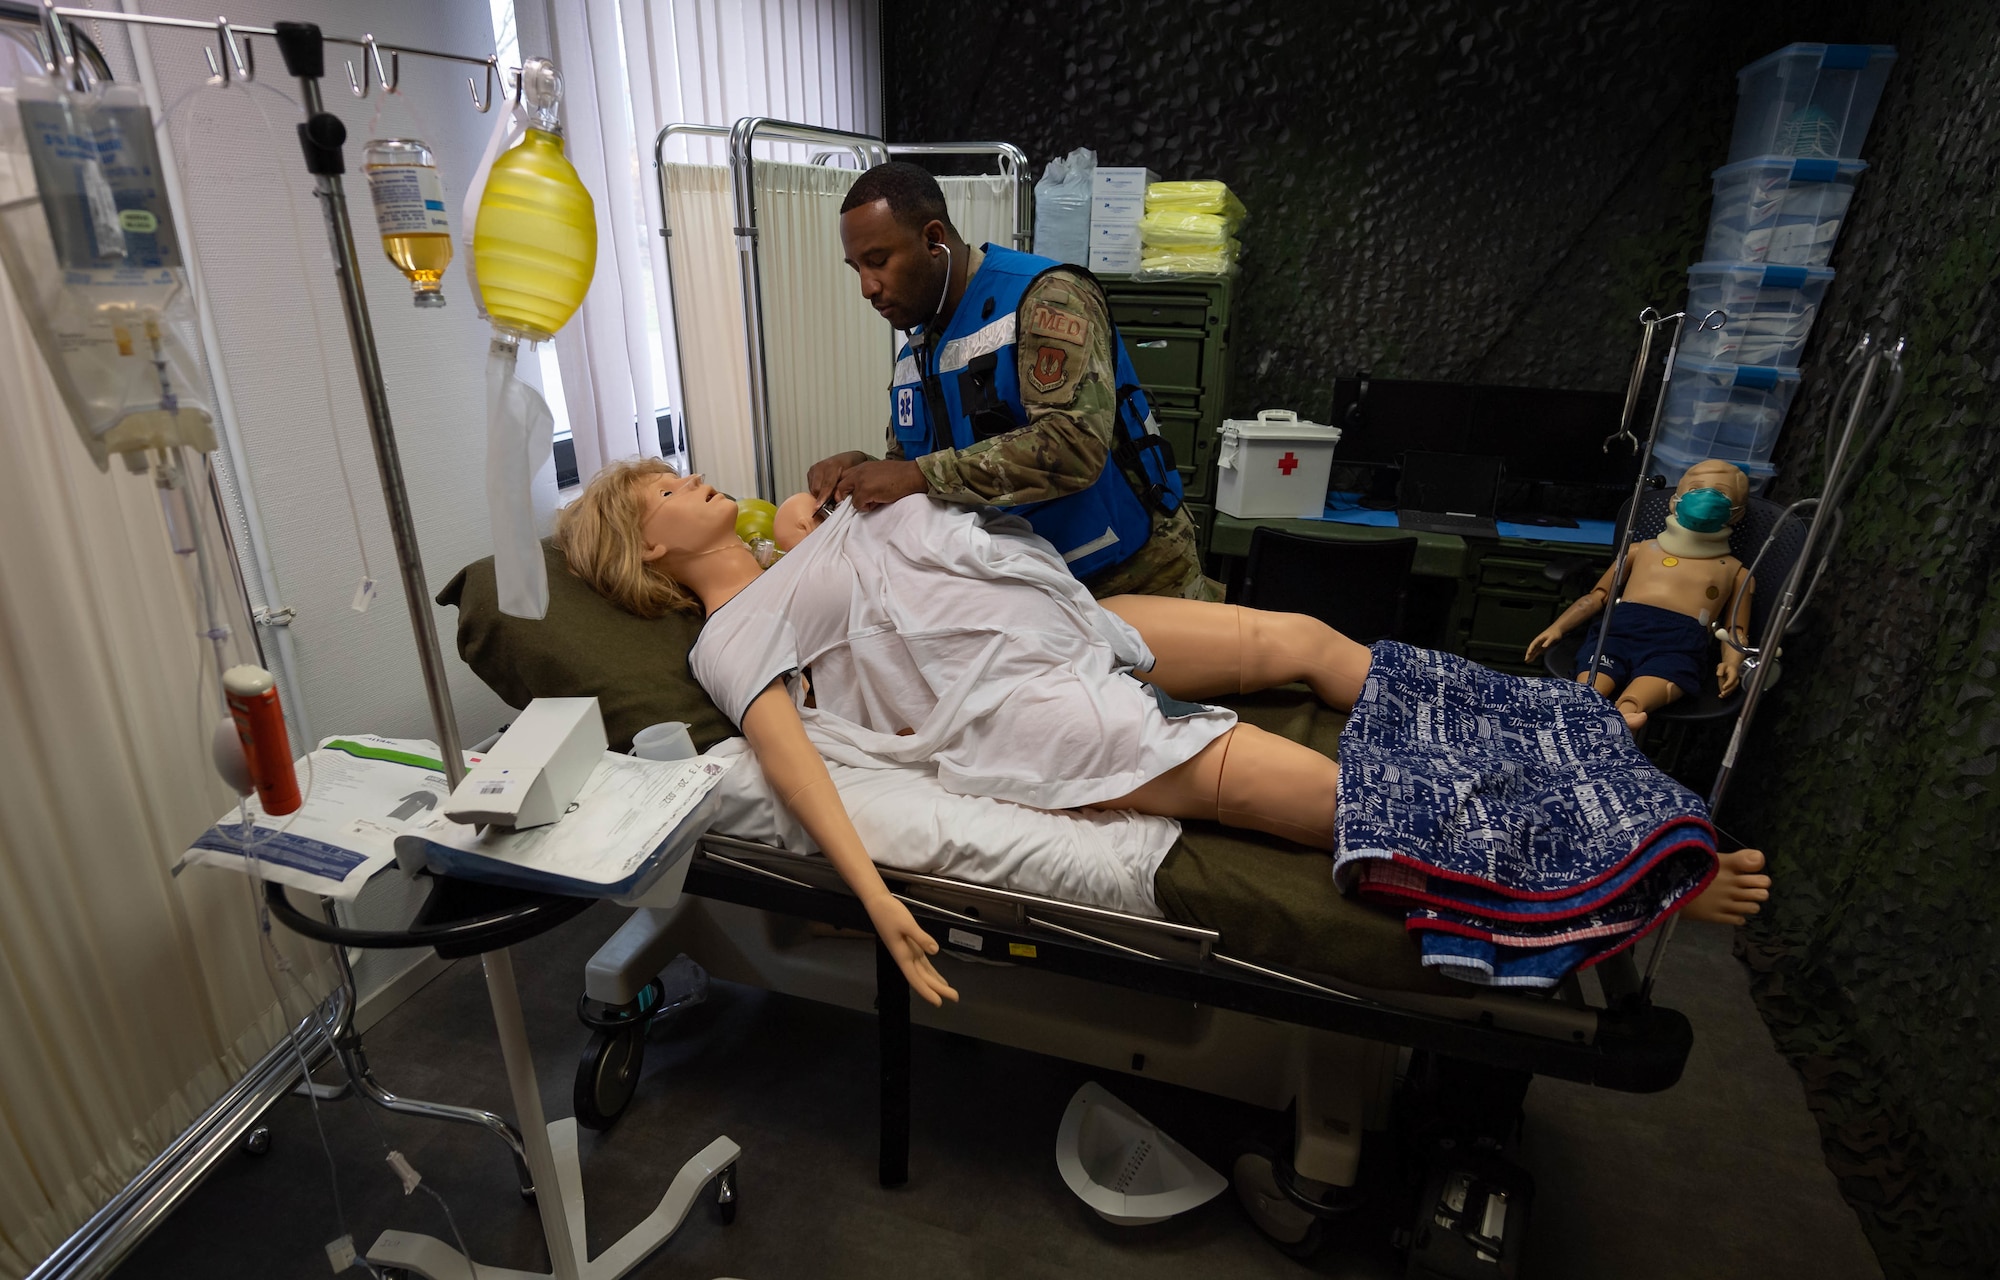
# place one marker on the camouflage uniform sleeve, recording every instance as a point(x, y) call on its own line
point(1069, 390)
point(893, 451)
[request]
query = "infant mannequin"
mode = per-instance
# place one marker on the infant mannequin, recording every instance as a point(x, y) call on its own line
point(1675, 590)
point(797, 516)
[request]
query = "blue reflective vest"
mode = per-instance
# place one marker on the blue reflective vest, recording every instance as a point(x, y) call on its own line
point(969, 379)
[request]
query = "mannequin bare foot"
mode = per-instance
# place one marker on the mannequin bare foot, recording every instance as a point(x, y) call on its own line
point(1635, 719)
point(1736, 892)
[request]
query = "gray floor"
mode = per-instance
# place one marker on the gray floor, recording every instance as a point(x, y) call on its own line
point(1719, 1177)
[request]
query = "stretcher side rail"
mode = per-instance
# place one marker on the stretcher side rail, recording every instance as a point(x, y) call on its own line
point(1637, 1048)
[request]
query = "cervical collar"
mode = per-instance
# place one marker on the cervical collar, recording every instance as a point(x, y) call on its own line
point(1677, 540)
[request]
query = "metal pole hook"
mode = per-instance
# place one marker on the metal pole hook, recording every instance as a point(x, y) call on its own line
point(485, 104)
point(1718, 315)
point(234, 63)
point(389, 79)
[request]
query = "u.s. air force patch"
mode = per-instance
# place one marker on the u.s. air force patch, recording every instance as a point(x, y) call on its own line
point(1046, 321)
point(1047, 373)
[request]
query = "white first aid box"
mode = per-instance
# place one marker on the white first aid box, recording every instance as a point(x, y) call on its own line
point(536, 769)
point(1275, 466)
point(1105, 182)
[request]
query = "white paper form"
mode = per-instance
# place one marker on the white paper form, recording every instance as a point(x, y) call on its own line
point(625, 811)
point(361, 792)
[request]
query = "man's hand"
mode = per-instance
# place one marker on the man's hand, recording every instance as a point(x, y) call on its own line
point(826, 472)
point(1550, 635)
point(911, 946)
point(877, 484)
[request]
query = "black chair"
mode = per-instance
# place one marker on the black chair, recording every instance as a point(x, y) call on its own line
point(1357, 588)
point(1744, 542)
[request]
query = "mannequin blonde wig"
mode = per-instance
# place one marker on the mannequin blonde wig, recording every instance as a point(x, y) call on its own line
point(600, 535)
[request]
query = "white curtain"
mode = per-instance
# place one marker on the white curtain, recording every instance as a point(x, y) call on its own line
point(605, 352)
point(129, 999)
point(707, 293)
point(827, 355)
point(981, 208)
point(630, 67)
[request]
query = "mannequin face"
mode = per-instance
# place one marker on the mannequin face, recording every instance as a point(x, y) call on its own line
point(797, 516)
point(1713, 473)
point(681, 514)
point(902, 268)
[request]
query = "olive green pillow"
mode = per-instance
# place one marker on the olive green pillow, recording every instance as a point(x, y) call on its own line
point(636, 668)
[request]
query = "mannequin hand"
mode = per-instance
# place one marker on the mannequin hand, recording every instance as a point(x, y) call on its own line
point(912, 948)
point(826, 472)
point(877, 484)
point(1729, 673)
point(1541, 643)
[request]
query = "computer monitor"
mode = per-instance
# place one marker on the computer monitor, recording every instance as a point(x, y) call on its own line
point(1546, 435)
point(1552, 437)
point(1381, 419)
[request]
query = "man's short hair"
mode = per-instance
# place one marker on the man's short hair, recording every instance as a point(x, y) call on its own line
point(913, 194)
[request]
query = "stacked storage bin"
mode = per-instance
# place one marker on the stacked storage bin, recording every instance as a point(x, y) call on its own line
point(1779, 204)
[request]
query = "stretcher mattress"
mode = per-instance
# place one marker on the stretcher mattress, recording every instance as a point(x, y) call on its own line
point(1273, 902)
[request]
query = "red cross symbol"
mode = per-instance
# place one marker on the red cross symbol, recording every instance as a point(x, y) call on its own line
point(1288, 463)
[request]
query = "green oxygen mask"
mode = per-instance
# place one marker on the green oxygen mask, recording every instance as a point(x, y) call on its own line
point(1703, 510)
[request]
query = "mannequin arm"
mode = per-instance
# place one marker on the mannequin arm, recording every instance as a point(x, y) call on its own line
point(1729, 672)
point(798, 775)
point(1575, 616)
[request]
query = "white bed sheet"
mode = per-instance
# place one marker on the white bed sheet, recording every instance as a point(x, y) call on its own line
point(909, 822)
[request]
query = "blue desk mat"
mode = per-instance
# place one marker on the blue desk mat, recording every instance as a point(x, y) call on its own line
point(1346, 508)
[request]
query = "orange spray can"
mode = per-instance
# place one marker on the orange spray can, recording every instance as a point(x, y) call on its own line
point(260, 726)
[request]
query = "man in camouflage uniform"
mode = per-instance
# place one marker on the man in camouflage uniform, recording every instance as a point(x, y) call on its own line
point(894, 230)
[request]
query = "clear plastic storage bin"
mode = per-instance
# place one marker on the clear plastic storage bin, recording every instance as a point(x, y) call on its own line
point(1780, 209)
point(1809, 100)
point(1727, 411)
point(1770, 310)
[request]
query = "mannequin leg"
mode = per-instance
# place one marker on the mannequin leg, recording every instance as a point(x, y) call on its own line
point(1645, 695)
point(1213, 650)
point(1248, 778)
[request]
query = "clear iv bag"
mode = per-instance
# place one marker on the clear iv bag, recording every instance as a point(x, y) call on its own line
point(91, 244)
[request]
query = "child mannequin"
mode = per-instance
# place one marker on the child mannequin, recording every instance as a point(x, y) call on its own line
point(1676, 589)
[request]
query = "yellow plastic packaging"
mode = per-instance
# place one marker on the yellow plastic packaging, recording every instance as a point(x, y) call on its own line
point(1172, 229)
point(535, 244)
point(1172, 264)
point(1207, 196)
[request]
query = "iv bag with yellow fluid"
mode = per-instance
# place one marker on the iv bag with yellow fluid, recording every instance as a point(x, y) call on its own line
point(535, 244)
point(534, 249)
point(403, 182)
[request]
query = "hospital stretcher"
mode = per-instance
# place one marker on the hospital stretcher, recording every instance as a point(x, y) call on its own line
point(1264, 986)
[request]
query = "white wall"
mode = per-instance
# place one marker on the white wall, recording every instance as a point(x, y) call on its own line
point(246, 190)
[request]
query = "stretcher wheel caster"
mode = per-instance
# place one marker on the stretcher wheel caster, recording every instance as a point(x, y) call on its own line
point(725, 1195)
point(608, 1074)
point(257, 1142)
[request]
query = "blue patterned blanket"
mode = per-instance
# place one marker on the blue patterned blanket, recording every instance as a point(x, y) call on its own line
point(1515, 819)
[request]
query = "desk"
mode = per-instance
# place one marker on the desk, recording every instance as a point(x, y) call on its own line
point(1484, 598)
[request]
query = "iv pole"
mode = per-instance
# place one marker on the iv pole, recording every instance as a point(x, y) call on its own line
point(549, 1150)
point(321, 136)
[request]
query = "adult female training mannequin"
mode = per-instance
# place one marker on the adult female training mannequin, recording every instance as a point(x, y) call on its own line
point(1675, 589)
point(995, 651)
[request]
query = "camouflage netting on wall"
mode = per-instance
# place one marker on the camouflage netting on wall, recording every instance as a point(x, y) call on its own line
point(1875, 782)
point(1462, 191)
point(1449, 190)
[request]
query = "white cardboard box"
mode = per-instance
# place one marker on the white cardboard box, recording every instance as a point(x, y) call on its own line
point(536, 768)
point(1111, 236)
point(1116, 262)
point(1274, 466)
point(1117, 211)
point(1120, 182)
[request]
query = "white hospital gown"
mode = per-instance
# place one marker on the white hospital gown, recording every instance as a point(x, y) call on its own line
point(945, 639)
